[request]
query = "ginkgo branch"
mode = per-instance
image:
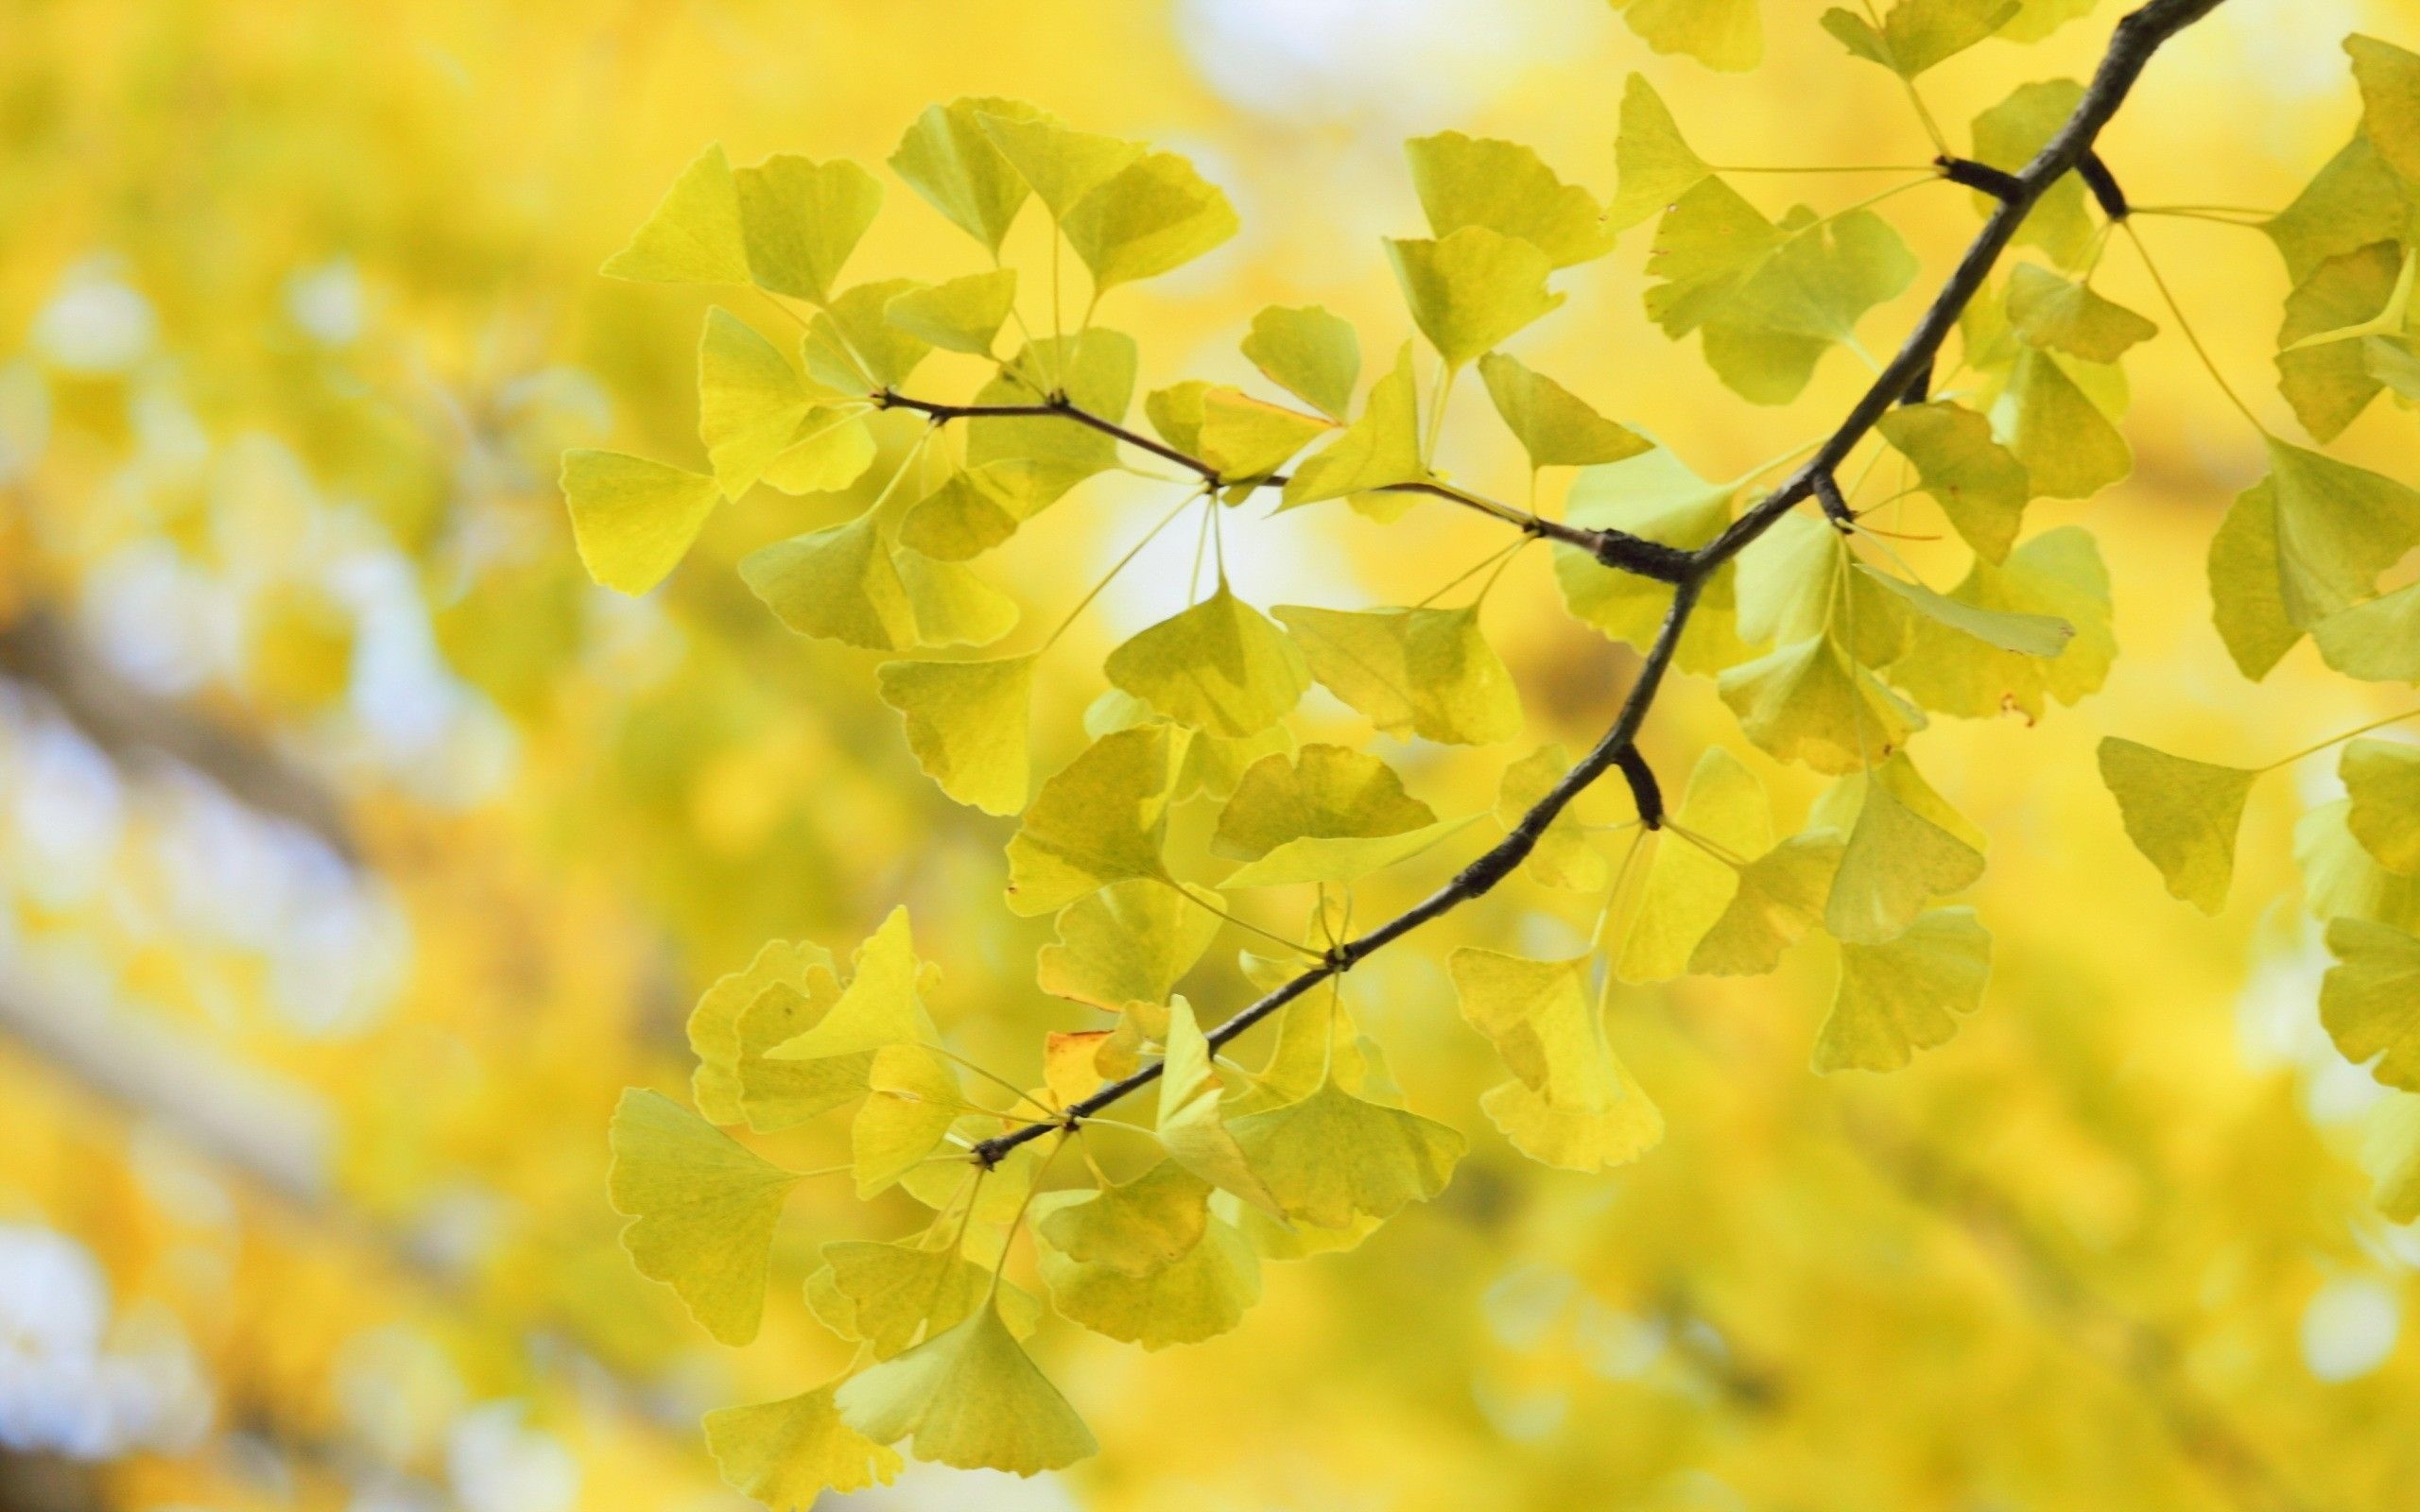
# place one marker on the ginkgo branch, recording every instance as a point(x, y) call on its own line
point(2135, 38)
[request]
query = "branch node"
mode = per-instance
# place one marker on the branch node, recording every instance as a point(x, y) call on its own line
point(1339, 958)
point(1645, 794)
point(1836, 509)
point(1919, 389)
point(2104, 184)
point(1997, 182)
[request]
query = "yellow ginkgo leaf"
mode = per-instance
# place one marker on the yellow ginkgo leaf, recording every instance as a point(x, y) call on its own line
point(633, 519)
point(1377, 450)
point(889, 1296)
point(1554, 424)
point(787, 1453)
point(2040, 635)
point(2046, 310)
point(1199, 1294)
point(1693, 875)
point(1245, 437)
point(1100, 820)
point(1781, 895)
point(800, 219)
point(2390, 1153)
point(1310, 354)
point(1095, 370)
point(953, 604)
point(840, 583)
point(1126, 947)
point(1330, 792)
point(1654, 166)
point(1977, 484)
point(831, 449)
point(751, 401)
point(2008, 135)
point(963, 314)
point(2382, 779)
point(1470, 290)
point(1466, 181)
point(1341, 859)
point(1425, 672)
point(1896, 862)
point(1896, 998)
point(2370, 998)
point(879, 1007)
point(2050, 425)
point(2337, 525)
point(1061, 163)
point(1724, 34)
point(2247, 593)
point(948, 158)
point(1564, 856)
point(967, 723)
point(2324, 346)
point(851, 347)
point(714, 1023)
point(1192, 1123)
point(692, 234)
point(777, 1094)
point(913, 1098)
point(2390, 80)
point(1220, 666)
point(1175, 412)
point(1332, 1157)
point(969, 1398)
point(1135, 1227)
point(1655, 497)
point(1919, 34)
point(1153, 214)
point(2341, 879)
point(701, 1208)
point(2182, 814)
point(1570, 1104)
point(2377, 640)
point(1796, 581)
point(2056, 575)
point(1811, 702)
point(976, 507)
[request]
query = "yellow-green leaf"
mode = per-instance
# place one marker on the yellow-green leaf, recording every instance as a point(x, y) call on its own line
point(1554, 424)
point(787, 1453)
point(1795, 582)
point(1200, 1294)
point(714, 1023)
point(1465, 180)
point(977, 507)
point(1896, 862)
point(830, 450)
point(1657, 497)
point(1690, 881)
point(1654, 166)
point(633, 519)
point(1722, 34)
point(914, 1098)
point(1125, 948)
point(953, 606)
point(1979, 485)
point(969, 1398)
point(963, 314)
point(1330, 792)
point(1918, 35)
point(2390, 80)
point(2182, 814)
point(1332, 1157)
point(1310, 354)
point(2036, 635)
point(1095, 370)
point(1425, 672)
point(751, 401)
point(701, 1208)
point(1377, 451)
point(2009, 134)
point(1811, 702)
point(2057, 574)
point(1896, 998)
point(891, 1296)
point(1192, 1126)
point(948, 158)
point(693, 235)
point(967, 723)
point(852, 347)
point(1571, 1102)
point(1341, 859)
point(778, 1094)
point(1220, 666)
point(2382, 779)
point(1134, 1227)
point(1562, 857)
point(840, 583)
point(880, 1007)
point(2324, 369)
point(1153, 214)
point(1246, 438)
point(2370, 998)
point(1100, 820)
point(2046, 310)
point(800, 219)
point(2339, 527)
point(2354, 201)
point(1470, 290)
point(2377, 640)
point(1780, 898)
point(2247, 593)
point(1062, 164)
point(2048, 423)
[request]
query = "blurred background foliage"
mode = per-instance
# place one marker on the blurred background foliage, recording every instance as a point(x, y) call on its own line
point(354, 852)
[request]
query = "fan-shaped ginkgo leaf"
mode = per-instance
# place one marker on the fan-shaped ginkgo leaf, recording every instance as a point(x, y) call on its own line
point(1100, 819)
point(1723, 34)
point(1781, 895)
point(969, 1398)
point(1471, 289)
point(787, 1453)
point(1201, 1293)
point(713, 1024)
point(1653, 164)
point(1694, 874)
point(1977, 484)
point(1310, 354)
point(948, 158)
point(1896, 998)
point(967, 723)
point(1192, 1123)
point(1570, 1104)
point(1811, 702)
point(1555, 427)
point(633, 519)
point(1331, 1156)
point(800, 220)
point(701, 1208)
point(1379, 450)
point(1220, 666)
point(1896, 861)
point(693, 235)
point(2382, 779)
point(963, 314)
point(1153, 214)
point(1126, 947)
point(1465, 180)
point(2182, 814)
point(1425, 672)
point(2370, 998)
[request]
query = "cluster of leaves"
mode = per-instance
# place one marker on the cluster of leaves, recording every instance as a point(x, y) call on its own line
point(1829, 651)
